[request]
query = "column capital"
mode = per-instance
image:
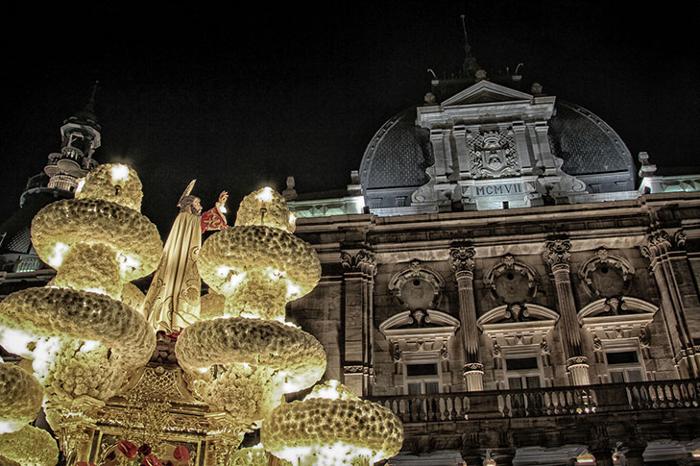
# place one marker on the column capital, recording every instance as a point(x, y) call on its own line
point(473, 367)
point(657, 242)
point(557, 252)
point(462, 257)
point(360, 260)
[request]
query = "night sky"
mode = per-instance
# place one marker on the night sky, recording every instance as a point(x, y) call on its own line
point(238, 98)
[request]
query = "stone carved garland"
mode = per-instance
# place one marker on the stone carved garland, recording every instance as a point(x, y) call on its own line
point(512, 281)
point(417, 287)
point(598, 273)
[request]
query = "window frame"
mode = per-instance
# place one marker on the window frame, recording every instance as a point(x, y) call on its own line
point(522, 352)
point(623, 346)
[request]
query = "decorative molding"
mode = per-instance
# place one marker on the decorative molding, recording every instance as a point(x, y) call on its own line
point(657, 242)
point(499, 325)
point(417, 272)
point(419, 331)
point(509, 265)
point(462, 256)
point(557, 252)
point(616, 318)
point(361, 260)
point(601, 258)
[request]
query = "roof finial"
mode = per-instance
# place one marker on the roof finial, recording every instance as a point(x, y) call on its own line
point(470, 65)
point(90, 106)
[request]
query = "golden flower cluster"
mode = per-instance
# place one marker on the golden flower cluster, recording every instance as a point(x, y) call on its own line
point(245, 392)
point(134, 240)
point(271, 251)
point(90, 266)
point(316, 427)
point(265, 207)
point(20, 397)
point(84, 316)
point(133, 297)
point(265, 343)
point(115, 183)
point(77, 373)
point(211, 305)
point(29, 446)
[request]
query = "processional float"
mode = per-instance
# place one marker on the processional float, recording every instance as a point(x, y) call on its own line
point(169, 378)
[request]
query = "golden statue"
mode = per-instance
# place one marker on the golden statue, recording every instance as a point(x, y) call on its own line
point(173, 299)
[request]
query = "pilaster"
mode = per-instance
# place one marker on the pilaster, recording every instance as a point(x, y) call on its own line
point(358, 289)
point(462, 256)
point(671, 271)
point(557, 256)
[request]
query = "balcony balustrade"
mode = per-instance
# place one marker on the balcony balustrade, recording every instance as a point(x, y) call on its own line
point(552, 401)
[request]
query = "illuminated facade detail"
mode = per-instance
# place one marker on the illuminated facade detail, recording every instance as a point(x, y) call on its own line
point(546, 313)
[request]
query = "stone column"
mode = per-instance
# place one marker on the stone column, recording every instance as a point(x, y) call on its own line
point(358, 316)
point(557, 256)
point(677, 291)
point(462, 255)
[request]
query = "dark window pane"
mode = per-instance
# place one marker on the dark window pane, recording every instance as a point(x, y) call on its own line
point(634, 376)
point(617, 377)
point(421, 369)
point(533, 382)
point(516, 364)
point(432, 387)
point(624, 357)
point(414, 389)
point(514, 383)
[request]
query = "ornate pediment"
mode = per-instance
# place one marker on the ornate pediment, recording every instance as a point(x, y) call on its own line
point(419, 331)
point(486, 92)
point(623, 317)
point(518, 324)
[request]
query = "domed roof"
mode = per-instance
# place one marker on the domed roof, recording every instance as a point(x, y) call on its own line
point(400, 151)
point(397, 155)
point(588, 145)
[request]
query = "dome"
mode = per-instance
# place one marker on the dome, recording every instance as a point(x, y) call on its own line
point(591, 149)
point(396, 158)
point(397, 155)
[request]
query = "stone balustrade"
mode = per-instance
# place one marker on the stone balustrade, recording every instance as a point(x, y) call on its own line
point(553, 401)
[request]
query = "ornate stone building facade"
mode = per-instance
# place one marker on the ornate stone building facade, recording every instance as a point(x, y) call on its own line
point(495, 275)
point(498, 277)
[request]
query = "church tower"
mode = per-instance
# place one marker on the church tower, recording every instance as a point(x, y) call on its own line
point(80, 137)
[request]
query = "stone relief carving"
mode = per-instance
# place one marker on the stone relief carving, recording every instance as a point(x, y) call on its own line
point(512, 281)
point(492, 154)
point(362, 260)
point(606, 275)
point(462, 256)
point(417, 287)
point(557, 252)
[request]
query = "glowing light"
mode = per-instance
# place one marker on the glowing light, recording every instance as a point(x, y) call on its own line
point(44, 356)
point(265, 195)
point(59, 252)
point(119, 172)
point(293, 289)
point(16, 341)
point(329, 391)
point(223, 209)
point(233, 282)
point(203, 370)
point(79, 187)
point(89, 345)
point(273, 274)
point(292, 219)
point(96, 290)
point(585, 458)
point(127, 264)
point(7, 427)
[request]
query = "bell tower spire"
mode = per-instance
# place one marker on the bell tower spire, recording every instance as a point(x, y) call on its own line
point(80, 137)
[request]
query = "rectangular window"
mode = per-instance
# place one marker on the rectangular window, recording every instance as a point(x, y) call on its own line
point(523, 372)
point(422, 378)
point(624, 366)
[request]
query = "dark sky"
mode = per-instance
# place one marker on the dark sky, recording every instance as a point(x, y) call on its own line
point(241, 97)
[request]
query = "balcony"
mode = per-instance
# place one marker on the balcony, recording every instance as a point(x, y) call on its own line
point(544, 402)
